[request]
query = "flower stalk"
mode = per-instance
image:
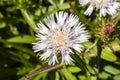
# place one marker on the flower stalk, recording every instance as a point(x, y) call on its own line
point(28, 19)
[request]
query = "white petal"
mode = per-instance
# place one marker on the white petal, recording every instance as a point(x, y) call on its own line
point(66, 58)
point(41, 37)
point(111, 11)
point(45, 55)
point(71, 21)
point(79, 35)
point(42, 28)
point(116, 5)
point(39, 46)
point(79, 29)
point(103, 12)
point(82, 38)
point(53, 60)
point(78, 47)
point(61, 17)
point(50, 22)
point(89, 10)
point(84, 2)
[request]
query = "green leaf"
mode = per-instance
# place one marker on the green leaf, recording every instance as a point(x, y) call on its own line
point(57, 77)
point(79, 62)
point(52, 2)
point(117, 77)
point(116, 45)
point(64, 6)
point(74, 69)
point(23, 70)
point(22, 48)
point(2, 25)
point(104, 75)
point(81, 77)
point(51, 75)
point(22, 39)
point(108, 55)
point(38, 77)
point(112, 70)
point(68, 75)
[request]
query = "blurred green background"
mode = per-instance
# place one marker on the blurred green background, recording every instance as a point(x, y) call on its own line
point(18, 19)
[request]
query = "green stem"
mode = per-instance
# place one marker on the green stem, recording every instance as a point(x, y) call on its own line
point(28, 19)
point(99, 51)
point(92, 46)
point(41, 70)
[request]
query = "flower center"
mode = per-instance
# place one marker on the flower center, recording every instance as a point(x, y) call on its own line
point(60, 39)
point(96, 1)
point(99, 1)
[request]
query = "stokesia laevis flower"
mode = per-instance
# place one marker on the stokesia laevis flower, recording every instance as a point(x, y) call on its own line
point(57, 35)
point(106, 6)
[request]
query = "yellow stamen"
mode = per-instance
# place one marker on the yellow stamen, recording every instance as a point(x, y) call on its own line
point(99, 1)
point(60, 39)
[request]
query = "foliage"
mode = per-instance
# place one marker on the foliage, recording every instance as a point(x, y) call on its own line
point(100, 59)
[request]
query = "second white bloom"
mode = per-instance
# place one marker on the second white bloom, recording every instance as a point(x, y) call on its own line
point(106, 6)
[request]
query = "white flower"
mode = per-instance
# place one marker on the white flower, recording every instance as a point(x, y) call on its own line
point(106, 6)
point(57, 35)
